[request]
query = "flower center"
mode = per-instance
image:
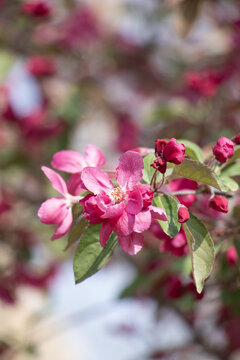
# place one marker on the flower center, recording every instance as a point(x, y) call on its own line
point(118, 195)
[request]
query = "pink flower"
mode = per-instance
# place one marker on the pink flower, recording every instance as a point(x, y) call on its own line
point(126, 209)
point(58, 210)
point(36, 8)
point(224, 149)
point(73, 162)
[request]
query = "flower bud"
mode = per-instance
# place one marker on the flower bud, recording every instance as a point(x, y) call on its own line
point(160, 146)
point(183, 214)
point(160, 165)
point(219, 203)
point(37, 8)
point(174, 152)
point(224, 149)
point(232, 256)
point(236, 139)
point(41, 65)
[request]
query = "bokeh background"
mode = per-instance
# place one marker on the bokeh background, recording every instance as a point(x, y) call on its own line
point(117, 74)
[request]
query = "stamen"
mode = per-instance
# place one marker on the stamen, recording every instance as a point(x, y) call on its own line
point(118, 195)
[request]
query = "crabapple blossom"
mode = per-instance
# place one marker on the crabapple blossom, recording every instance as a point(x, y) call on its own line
point(125, 209)
point(73, 162)
point(58, 210)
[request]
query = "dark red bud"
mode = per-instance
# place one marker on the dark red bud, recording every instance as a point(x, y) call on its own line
point(219, 203)
point(160, 165)
point(160, 146)
point(236, 139)
point(183, 214)
point(224, 149)
point(174, 152)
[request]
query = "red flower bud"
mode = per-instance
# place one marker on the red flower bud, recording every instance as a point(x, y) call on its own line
point(236, 139)
point(174, 287)
point(219, 203)
point(41, 65)
point(36, 8)
point(160, 146)
point(232, 256)
point(174, 152)
point(224, 149)
point(160, 165)
point(183, 214)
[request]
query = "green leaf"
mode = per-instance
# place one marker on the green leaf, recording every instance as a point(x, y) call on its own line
point(192, 150)
point(230, 183)
point(172, 226)
point(76, 232)
point(194, 170)
point(148, 170)
point(77, 210)
point(201, 249)
point(232, 170)
point(90, 255)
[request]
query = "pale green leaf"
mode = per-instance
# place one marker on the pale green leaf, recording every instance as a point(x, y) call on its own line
point(201, 250)
point(192, 150)
point(195, 170)
point(172, 226)
point(230, 183)
point(148, 170)
point(90, 256)
point(232, 170)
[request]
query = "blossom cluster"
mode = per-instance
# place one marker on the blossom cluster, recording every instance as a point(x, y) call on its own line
point(125, 209)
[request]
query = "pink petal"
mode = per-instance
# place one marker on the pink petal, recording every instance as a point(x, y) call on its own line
point(96, 181)
point(75, 184)
point(93, 156)
point(52, 211)
point(158, 213)
point(64, 226)
point(69, 161)
point(142, 221)
point(105, 232)
point(110, 210)
point(129, 170)
point(132, 243)
point(124, 225)
point(135, 202)
point(56, 180)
